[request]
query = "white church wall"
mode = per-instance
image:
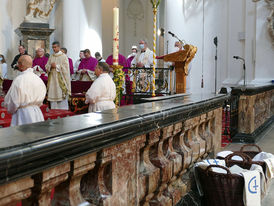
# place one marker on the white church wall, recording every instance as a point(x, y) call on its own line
point(82, 26)
point(12, 14)
point(56, 22)
point(255, 46)
point(235, 46)
point(107, 26)
point(185, 18)
point(240, 26)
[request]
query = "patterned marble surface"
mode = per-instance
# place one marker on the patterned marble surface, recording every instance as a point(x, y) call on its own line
point(27, 149)
point(135, 155)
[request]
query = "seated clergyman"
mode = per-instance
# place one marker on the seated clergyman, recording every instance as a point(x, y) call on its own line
point(25, 95)
point(102, 92)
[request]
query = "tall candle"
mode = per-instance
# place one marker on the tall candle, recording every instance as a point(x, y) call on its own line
point(115, 36)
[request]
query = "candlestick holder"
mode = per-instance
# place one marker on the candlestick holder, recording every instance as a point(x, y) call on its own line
point(119, 79)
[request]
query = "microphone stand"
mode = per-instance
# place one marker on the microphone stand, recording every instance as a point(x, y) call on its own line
point(173, 35)
point(244, 68)
point(216, 69)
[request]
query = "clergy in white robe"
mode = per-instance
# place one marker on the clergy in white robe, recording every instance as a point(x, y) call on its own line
point(59, 85)
point(144, 58)
point(102, 92)
point(25, 95)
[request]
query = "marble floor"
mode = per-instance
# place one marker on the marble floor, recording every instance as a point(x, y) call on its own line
point(266, 142)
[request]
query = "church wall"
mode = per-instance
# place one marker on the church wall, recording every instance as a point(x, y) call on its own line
point(264, 63)
point(82, 26)
point(12, 14)
point(107, 26)
point(240, 26)
point(198, 22)
point(56, 22)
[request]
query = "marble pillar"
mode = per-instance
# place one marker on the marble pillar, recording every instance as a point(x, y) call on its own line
point(71, 28)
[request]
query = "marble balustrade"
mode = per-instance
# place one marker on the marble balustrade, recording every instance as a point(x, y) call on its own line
point(255, 111)
point(150, 168)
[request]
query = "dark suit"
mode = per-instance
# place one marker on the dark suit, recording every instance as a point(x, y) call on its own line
point(15, 60)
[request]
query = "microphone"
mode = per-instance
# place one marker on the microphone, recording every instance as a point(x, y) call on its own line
point(215, 40)
point(171, 33)
point(237, 57)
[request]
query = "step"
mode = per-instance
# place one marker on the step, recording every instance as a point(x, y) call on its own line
point(4, 114)
point(57, 113)
point(44, 108)
point(1, 102)
point(5, 123)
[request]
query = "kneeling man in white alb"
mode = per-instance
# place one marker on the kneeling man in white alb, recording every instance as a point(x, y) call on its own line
point(102, 92)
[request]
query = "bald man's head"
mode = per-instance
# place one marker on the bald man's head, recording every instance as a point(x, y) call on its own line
point(179, 45)
point(24, 62)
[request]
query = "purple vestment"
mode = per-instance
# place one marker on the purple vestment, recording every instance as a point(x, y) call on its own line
point(129, 60)
point(40, 61)
point(71, 66)
point(88, 64)
point(122, 60)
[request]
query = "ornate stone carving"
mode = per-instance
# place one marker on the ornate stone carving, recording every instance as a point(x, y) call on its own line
point(136, 12)
point(254, 111)
point(16, 191)
point(38, 11)
point(150, 169)
point(270, 18)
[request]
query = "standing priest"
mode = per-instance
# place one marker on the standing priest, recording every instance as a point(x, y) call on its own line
point(25, 95)
point(59, 87)
point(144, 58)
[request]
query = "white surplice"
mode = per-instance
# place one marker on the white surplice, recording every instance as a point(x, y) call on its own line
point(101, 94)
point(146, 58)
point(25, 97)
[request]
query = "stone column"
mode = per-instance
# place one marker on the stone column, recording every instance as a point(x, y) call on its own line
point(71, 28)
point(250, 40)
point(91, 25)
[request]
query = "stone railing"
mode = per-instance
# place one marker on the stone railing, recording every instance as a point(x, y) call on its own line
point(150, 168)
point(256, 109)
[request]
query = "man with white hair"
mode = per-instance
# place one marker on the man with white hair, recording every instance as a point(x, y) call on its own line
point(144, 58)
point(25, 95)
point(132, 55)
point(39, 64)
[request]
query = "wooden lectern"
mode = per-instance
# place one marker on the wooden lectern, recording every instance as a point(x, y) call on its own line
point(181, 59)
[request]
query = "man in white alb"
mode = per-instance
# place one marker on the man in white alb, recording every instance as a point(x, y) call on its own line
point(102, 92)
point(59, 85)
point(25, 95)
